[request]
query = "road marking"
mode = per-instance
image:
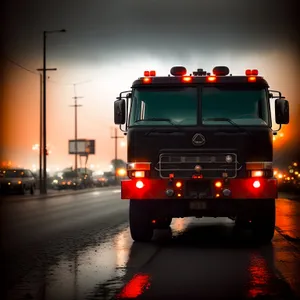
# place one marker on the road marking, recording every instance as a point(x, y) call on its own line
point(116, 191)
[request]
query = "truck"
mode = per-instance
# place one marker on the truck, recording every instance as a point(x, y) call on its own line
point(200, 145)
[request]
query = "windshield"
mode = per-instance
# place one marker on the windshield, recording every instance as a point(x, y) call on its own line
point(177, 106)
point(13, 173)
point(219, 105)
point(242, 106)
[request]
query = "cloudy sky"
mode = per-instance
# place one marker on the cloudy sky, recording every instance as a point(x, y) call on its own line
point(108, 44)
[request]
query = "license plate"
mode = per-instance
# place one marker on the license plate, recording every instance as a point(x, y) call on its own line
point(197, 205)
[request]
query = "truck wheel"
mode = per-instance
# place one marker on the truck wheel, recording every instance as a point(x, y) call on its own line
point(141, 228)
point(163, 223)
point(263, 221)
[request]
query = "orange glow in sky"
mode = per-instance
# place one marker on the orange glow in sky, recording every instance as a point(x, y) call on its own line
point(102, 85)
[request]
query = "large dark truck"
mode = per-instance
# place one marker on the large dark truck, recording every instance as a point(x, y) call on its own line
point(200, 145)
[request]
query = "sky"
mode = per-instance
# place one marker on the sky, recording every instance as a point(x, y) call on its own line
point(108, 44)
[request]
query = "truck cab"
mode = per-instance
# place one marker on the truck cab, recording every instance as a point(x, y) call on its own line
point(201, 145)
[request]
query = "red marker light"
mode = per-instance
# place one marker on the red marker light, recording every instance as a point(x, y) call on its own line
point(178, 184)
point(139, 184)
point(147, 80)
point(187, 79)
point(256, 184)
point(254, 72)
point(218, 184)
point(146, 73)
point(152, 73)
point(211, 78)
point(248, 72)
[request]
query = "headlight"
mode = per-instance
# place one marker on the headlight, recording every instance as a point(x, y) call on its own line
point(228, 159)
point(55, 181)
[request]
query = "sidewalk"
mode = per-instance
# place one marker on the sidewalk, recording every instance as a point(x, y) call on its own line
point(288, 219)
point(290, 196)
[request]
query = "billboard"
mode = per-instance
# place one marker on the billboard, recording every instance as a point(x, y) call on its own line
point(84, 147)
point(90, 146)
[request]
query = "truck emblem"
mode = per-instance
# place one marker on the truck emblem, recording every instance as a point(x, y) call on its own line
point(198, 139)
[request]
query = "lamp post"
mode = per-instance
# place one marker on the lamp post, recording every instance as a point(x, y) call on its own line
point(44, 148)
point(41, 130)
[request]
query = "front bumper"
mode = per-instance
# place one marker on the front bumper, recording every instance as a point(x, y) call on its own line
point(12, 187)
point(239, 188)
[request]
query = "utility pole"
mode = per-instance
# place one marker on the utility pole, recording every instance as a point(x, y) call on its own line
point(41, 146)
point(76, 146)
point(45, 33)
point(116, 137)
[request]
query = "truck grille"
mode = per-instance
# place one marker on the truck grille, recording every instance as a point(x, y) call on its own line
point(182, 165)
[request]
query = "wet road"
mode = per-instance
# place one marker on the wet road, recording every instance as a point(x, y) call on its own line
point(79, 247)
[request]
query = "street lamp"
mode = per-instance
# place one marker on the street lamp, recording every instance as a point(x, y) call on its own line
point(44, 187)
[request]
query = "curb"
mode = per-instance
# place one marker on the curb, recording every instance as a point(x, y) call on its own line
point(58, 194)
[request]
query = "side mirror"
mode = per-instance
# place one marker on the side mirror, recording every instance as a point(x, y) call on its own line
point(120, 110)
point(282, 113)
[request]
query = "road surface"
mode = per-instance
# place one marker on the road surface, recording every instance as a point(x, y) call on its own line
point(79, 247)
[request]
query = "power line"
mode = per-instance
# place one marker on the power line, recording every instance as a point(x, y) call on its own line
point(35, 73)
point(20, 66)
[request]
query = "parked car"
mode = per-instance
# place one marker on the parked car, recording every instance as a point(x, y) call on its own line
point(67, 180)
point(17, 180)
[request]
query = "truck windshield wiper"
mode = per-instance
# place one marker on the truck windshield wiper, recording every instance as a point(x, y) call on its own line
point(156, 119)
point(229, 121)
point(154, 129)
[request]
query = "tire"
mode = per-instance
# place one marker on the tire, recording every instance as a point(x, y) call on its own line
point(140, 224)
point(32, 190)
point(263, 221)
point(22, 190)
point(163, 223)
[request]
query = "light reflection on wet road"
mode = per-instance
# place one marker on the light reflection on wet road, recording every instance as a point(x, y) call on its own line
point(197, 258)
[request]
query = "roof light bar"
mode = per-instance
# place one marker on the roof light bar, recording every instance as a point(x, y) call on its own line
point(211, 78)
point(252, 79)
point(178, 71)
point(253, 72)
point(186, 78)
point(221, 71)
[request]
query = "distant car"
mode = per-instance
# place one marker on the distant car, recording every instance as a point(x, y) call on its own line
point(67, 180)
point(17, 180)
point(100, 180)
